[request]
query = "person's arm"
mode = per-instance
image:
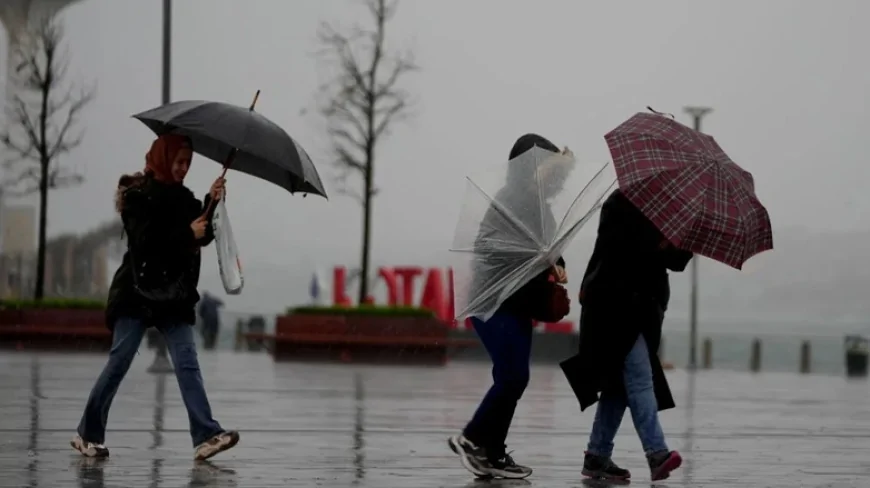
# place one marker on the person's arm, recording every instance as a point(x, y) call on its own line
point(150, 233)
point(676, 259)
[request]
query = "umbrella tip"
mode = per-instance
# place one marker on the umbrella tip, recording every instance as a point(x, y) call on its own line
point(659, 113)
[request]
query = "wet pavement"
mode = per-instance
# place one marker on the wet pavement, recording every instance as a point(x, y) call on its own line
point(367, 426)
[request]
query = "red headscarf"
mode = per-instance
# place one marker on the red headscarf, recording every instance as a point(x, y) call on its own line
point(163, 150)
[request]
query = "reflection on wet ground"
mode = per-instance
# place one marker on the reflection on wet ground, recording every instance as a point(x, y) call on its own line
point(367, 426)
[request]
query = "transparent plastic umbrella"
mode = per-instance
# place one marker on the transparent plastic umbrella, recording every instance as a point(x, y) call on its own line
point(516, 220)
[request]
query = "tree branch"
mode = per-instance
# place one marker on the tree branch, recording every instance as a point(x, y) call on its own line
point(40, 71)
point(363, 99)
point(60, 177)
point(61, 144)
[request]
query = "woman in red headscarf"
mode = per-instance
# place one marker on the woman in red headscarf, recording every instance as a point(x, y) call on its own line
point(155, 286)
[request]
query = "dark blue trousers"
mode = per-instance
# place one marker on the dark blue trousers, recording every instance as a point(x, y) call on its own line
point(508, 340)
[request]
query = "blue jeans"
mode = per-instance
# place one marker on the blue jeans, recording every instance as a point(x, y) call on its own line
point(508, 340)
point(641, 400)
point(126, 337)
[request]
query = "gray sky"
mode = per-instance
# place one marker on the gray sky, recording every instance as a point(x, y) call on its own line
point(786, 78)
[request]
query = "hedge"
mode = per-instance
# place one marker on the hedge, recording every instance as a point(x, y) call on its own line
point(379, 310)
point(53, 304)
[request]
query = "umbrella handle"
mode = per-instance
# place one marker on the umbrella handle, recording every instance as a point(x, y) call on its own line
point(232, 155)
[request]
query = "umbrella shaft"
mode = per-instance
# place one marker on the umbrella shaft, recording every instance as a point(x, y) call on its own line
point(229, 161)
point(232, 155)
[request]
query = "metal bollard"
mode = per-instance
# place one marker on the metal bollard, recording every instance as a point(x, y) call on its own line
point(755, 356)
point(240, 335)
point(256, 325)
point(707, 353)
point(806, 358)
point(857, 350)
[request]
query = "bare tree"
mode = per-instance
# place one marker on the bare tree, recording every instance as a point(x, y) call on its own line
point(40, 125)
point(361, 103)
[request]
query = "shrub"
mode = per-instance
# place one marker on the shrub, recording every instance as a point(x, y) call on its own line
point(378, 310)
point(53, 304)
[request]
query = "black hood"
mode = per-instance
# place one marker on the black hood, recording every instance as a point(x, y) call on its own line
point(528, 141)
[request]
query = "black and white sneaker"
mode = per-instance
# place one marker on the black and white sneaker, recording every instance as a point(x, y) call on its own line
point(506, 467)
point(472, 457)
point(219, 443)
point(89, 449)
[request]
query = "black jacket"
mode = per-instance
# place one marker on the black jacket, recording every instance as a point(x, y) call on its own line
point(628, 258)
point(157, 218)
point(624, 294)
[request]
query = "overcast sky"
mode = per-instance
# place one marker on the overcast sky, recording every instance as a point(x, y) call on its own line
point(787, 80)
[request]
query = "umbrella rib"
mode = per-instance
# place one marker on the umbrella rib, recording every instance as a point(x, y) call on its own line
point(491, 291)
point(541, 201)
point(506, 214)
point(583, 191)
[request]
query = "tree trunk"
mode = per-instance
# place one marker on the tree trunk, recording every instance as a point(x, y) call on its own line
point(44, 163)
point(366, 236)
point(371, 143)
point(39, 292)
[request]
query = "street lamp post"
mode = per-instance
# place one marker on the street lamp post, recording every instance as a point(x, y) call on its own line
point(697, 113)
point(161, 364)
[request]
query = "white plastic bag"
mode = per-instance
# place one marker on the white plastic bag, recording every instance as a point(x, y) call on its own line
point(228, 255)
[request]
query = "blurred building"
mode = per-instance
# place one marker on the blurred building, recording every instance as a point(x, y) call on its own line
point(76, 265)
point(17, 249)
point(18, 228)
point(19, 19)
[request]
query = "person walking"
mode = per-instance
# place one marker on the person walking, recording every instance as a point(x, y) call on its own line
point(623, 296)
point(209, 313)
point(155, 286)
point(507, 337)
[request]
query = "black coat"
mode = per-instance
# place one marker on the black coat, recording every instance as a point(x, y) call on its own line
point(157, 219)
point(624, 293)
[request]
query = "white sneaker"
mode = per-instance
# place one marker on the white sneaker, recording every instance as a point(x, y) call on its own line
point(89, 449)
point(219, 443)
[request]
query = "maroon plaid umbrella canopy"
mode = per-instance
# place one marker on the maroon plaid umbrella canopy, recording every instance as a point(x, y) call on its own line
point(689, 188)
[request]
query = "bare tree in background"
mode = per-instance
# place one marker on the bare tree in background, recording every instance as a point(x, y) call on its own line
point(360, 105)
point(41, 119)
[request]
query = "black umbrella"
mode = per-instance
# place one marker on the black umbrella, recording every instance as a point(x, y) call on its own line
point(238, 137)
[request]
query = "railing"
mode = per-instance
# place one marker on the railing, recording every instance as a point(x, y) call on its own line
point(773, 353)
point(733, 351)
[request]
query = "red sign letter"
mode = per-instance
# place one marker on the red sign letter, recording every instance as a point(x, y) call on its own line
point(389, 277)
point(339, 297)
point(408, 274)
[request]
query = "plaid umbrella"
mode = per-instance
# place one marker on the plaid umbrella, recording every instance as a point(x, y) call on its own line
point(689, 188)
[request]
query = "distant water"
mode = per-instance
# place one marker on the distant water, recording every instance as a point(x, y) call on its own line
point(779, 352)
point(780, 347)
